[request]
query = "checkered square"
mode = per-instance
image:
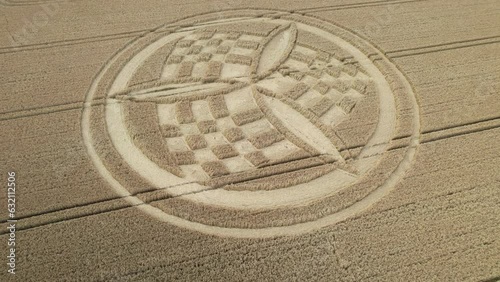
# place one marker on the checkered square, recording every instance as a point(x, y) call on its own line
point(196, 142)
point(207, 126)
point(224, 151)
point(208, 138)
point(204, 54)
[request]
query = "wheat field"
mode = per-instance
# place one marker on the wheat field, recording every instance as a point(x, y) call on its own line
point(349, 140)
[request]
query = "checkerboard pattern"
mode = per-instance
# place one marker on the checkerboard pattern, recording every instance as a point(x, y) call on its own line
point(220, 135)
point(320, 82)
point(204, 54)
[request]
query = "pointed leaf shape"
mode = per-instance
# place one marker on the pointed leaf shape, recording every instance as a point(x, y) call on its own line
point(275, 51)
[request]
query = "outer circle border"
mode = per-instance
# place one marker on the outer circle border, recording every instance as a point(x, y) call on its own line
point(295, 229)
